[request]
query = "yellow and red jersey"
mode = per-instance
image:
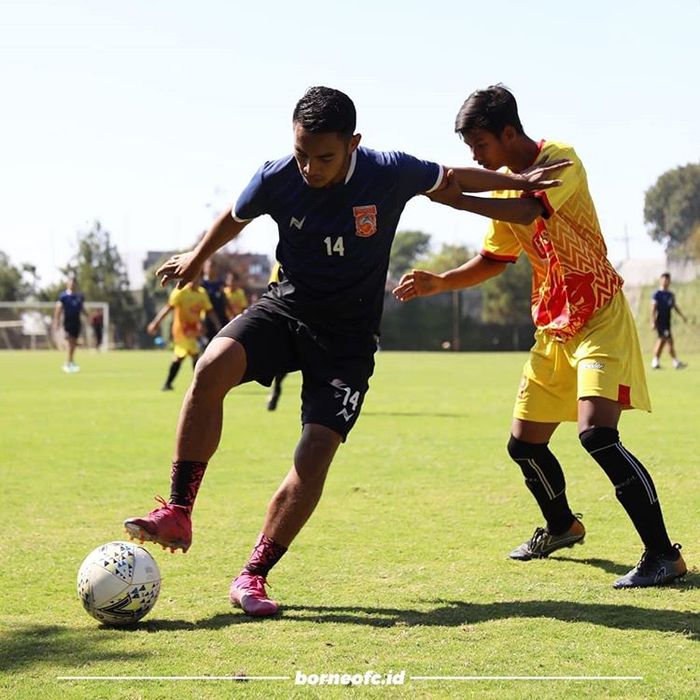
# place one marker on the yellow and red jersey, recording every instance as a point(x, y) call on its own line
point(236, 299)
point(571, 275)
point(189, 303)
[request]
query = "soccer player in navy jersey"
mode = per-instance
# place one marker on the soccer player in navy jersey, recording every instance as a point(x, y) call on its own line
point(69, 308)
point(663, 301)
point(214, 287)
point(337, 206)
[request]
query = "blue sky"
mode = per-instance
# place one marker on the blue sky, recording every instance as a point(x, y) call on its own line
point(152, 116)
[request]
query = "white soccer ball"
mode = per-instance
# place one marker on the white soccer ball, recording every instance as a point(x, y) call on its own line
point(118, 583)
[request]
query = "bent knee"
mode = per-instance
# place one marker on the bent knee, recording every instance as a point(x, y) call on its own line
point(221, 367)
point(519, 449)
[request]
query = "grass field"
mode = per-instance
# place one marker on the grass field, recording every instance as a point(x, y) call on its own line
point(402, 567)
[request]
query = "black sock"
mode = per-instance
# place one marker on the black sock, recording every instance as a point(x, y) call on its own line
point(633, 484)
point(172, 372)
point(545, 479)
point(185, 480)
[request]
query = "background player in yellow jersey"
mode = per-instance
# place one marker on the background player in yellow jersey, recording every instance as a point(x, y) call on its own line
point(236, 298)
point(188, 305)
point(586, 364)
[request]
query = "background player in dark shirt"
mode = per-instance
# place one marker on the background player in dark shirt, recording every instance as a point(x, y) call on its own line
point(337, 206)
point(214, 287)
point(663, 301)
point(69, 308)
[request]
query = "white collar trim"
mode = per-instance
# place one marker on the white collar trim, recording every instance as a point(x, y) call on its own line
point(351, 168)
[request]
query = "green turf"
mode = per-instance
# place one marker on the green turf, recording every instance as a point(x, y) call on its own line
point(402, 567)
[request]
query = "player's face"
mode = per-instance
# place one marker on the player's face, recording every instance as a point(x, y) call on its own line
point(323, 159)
point(488, 150)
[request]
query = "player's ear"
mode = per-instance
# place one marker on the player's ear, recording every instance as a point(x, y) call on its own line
point(509, 134)
point(354, 142)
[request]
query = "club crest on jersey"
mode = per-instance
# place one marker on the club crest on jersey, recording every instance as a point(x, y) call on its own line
point(365, 220)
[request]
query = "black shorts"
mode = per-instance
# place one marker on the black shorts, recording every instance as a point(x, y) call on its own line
point(335, 369)
point(664, 332)
point(72, 329)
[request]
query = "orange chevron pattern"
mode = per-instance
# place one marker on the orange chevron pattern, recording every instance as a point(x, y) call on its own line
point(572, 276)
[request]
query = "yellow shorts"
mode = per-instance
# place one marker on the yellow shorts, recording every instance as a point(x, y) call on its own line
point(183, 347)
point(602, 359)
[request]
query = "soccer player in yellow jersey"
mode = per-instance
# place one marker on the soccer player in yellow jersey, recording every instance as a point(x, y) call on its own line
point(236, 299)
point(188, 305)
point(586, 364)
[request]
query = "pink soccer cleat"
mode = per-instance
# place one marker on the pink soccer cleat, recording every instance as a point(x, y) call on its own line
point(248, 592)
point(168, 525)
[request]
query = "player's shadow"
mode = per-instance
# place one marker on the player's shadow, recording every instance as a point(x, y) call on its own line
point(453, 613)
point(27, 646)
point(606, 565)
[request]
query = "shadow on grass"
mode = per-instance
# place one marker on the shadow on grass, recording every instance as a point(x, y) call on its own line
point(29, 645)
point(453, 613)
point(610, 567)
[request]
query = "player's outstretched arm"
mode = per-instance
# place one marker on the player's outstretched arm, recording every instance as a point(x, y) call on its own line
point(421, 283)
point(536, 177)
point(186, 266)
point(523, 210)
point(153, 326)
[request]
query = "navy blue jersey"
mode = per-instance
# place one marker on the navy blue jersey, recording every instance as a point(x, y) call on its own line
point(334, 242)
point(72, 303)
point(215, 290)
point(664, 301)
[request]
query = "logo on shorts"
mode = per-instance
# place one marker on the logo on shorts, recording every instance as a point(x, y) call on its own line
point(365, 220)
point(593, 364)
point(350, 399)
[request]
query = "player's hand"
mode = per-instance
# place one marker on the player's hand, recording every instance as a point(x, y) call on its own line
point(449, 193)
point(152, 329)
point(536, 177)
point(417, 283)
point(183, 266)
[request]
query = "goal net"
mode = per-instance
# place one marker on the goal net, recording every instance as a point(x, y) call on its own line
point(28, 325)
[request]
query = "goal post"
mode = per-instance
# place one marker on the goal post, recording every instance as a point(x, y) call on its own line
point(28, 325)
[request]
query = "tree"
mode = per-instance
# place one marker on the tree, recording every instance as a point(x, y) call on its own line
point(102, 276)
point(17, 283)
point(672, 206)
point(10, 279)
point(447, 258)
point(507, 296)
point(409, 247)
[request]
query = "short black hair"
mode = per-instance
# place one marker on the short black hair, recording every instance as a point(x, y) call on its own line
point(323, 110)
point(491, 109)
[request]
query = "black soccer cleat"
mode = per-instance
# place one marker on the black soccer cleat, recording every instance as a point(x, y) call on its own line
point(654, 570)
point(543, 543)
